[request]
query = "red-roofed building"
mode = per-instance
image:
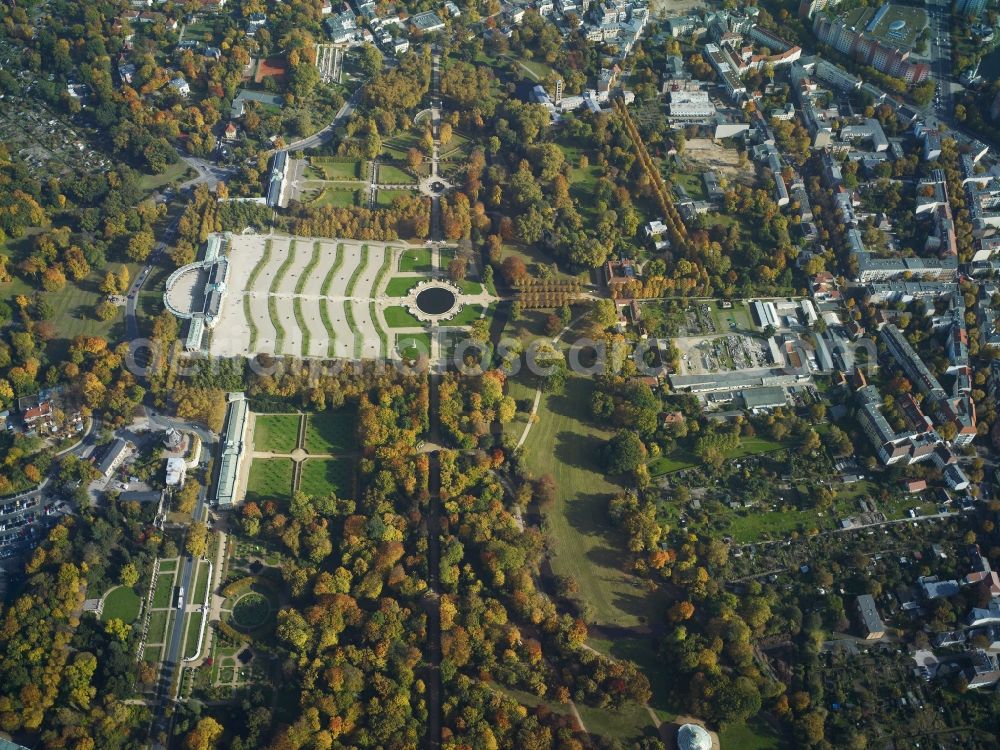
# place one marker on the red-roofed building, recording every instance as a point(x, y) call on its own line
point(650, 380)
point(37, 416)
point(824, 287)
point(672, 418)
point(618, 274)
point(990, 584)
point(961, 411)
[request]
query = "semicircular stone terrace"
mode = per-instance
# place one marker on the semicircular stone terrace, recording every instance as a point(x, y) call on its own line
point(197, 291)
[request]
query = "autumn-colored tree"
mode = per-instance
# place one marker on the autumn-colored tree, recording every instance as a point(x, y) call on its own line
point(53, 279)
point(129, 575)
point(106, 311)
point(77, 264)
point(205, 404)
point(187, 496)
point(514, 270)
point(123, 278)
point(205, 735)
point(141, 245)
point(118, 629)
point(110, 283)
point(680, 611)
point(458, 267)
point(196, 543)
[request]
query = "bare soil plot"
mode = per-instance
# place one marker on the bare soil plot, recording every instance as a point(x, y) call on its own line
point(707, 154)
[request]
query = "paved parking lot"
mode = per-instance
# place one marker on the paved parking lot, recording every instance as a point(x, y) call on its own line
point(23, 519)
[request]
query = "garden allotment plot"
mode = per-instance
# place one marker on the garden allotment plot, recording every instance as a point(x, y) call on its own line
point(307, 297)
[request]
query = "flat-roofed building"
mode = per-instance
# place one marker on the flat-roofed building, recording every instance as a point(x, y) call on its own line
point(728, 71)
point(871, 268)
point(679, 26)
point(983, 672)
point(871, 622)
point(277, 179)
point(691, 105)
point(176, 472)
point(233, 449)
point(733, 381)
point(988, 615)
point(835, 76)
point(427, 22)
point(869, 130)
point(768, 397)
point(868, 49)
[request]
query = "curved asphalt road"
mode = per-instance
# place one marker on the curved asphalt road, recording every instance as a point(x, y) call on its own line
point(322, 136)
point(131, 323)
point(209, 173)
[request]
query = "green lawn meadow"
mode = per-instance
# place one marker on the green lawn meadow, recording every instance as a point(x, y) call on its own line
point(276, 433)
point(384, 198)
point(412, 345)
point(338, 197)
point(416, 260)
point(564, 443)
point(329, 432)
point(391, 175)
point(338, 169)
point(322, 476)
point(398, 316)
point(400, 286)
point(122, 604)
point(270, 479)
point(163, 595)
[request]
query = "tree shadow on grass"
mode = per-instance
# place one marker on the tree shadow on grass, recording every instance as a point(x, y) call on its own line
point(642, 605)
point(117, 331)
point(533, 321)
point(578, 451)
point(574, 401)
point(605, 556)
point(633, 600)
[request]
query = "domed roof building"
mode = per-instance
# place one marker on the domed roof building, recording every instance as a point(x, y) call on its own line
point(693, 737)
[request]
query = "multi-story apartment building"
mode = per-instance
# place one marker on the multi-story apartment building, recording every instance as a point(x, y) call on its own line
point(863, 47)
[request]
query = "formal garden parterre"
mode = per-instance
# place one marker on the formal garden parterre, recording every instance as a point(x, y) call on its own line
point(321, 298)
